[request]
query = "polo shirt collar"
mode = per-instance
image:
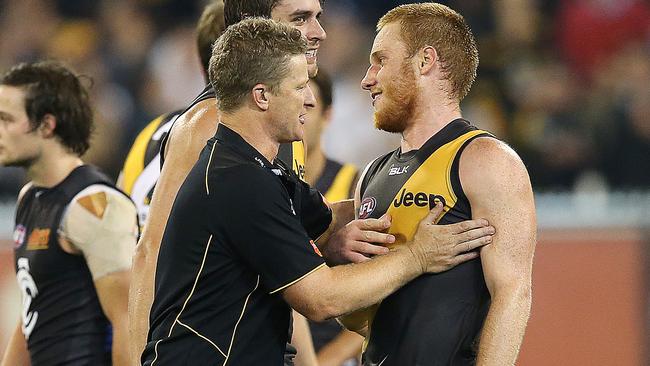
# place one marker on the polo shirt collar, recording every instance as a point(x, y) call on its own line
point(231, 138)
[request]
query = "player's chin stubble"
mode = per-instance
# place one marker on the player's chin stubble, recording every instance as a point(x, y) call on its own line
point(399, 102)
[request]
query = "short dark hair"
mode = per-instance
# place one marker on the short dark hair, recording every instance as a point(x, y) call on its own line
point(236, 10)
point(255, 50)
point(324, 83)
point(50, 88)
point(210, 26)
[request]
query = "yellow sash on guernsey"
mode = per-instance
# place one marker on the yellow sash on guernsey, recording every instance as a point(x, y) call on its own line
point(430, 181)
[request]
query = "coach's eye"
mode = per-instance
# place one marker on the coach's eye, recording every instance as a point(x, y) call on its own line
point(299, 20)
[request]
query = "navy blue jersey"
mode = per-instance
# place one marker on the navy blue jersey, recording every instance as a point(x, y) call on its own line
point(63, 321)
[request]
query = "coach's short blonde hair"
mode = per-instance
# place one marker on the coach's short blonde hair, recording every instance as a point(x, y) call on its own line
point(438, 26)
point(253, 51)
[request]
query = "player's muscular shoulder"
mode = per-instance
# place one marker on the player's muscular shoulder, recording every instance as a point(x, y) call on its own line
point(193, 129)
point(487, 163)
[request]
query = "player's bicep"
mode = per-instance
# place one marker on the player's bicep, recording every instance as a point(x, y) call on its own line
point(102, 224)
point(113, 293)
point(497, 185)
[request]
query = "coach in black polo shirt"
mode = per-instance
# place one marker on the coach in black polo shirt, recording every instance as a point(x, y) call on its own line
point(234, 254)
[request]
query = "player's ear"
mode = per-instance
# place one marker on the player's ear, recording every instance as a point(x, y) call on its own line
point(47, 126)
point(427, 59)
point(261, 96)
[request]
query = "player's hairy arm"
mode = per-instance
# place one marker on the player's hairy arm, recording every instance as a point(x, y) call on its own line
point(498, 188)
point(16, 353)
point(187, 138)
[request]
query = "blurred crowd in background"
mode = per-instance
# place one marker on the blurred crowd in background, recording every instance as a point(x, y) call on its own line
point(565, 82)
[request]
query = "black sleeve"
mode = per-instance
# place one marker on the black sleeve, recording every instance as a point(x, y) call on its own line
point(264, 228)
point(315, 214)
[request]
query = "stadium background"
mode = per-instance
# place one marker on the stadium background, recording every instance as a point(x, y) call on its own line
point(566, 82)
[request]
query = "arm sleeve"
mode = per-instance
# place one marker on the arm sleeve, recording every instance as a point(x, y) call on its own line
point(266, 232)
point(101, 222)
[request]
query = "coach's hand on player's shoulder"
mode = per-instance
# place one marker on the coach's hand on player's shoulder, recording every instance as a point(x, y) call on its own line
point(441, 247)
point(358, 241)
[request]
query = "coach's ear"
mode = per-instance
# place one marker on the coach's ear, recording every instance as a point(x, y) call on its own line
point(260, 96)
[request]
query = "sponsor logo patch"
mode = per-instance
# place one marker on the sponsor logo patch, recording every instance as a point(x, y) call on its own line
point(38, 239)
point(419, 199)
point(397, 170)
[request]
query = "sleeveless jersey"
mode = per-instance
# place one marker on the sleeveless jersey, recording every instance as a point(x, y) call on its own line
point(337, 182)
point(436, 318)
point(63, 321)
point(142, 166)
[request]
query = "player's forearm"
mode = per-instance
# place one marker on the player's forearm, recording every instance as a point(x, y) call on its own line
point(505, 325)
point(121, 349)
point(140, 300)
point(356, 286)
point(16, 353)
point(344, 346)
point(305, 356)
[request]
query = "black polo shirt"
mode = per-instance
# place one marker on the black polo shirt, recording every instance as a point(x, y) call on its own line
point(233, 241)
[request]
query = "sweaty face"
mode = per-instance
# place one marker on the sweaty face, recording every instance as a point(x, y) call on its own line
point(19, 145)
point(303, 15)
point(390, 79)
point(289, 102)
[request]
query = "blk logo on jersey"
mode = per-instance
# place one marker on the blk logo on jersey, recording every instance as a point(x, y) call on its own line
point(419, 199)
point(367, 206)
point(19, 235)
point(397, 170)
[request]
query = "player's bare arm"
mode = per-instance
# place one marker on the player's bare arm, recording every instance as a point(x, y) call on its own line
point(186, 140)
point(498, 188)
point(16, 353)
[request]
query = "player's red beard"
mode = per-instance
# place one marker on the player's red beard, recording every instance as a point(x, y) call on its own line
point(399, 102)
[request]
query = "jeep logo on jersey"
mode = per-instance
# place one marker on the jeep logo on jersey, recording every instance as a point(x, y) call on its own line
point(367, 206)
point(397, 170)
point(420, 199)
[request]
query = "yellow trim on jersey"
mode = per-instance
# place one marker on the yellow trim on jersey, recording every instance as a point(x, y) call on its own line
point(342, 185)
point(431, 179)
point(426, 180)
point(134, 164)
point(297, 279)
point(298, 157)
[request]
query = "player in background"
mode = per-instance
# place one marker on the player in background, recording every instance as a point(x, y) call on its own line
point(75, 232)
point(333, 344)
